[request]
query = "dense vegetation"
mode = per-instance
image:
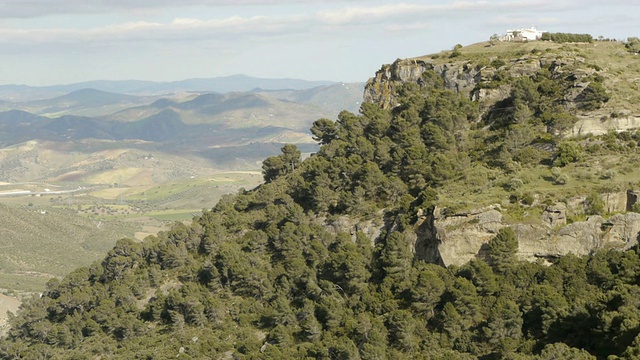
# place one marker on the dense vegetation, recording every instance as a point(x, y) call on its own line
point(270, 273)
point(566, 37)
point(293, 290)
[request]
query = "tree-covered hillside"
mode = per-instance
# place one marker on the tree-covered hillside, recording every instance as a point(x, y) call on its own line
point(274, 273)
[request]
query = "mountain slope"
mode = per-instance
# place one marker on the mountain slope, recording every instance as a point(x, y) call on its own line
point(322, 261)
point(66, 241)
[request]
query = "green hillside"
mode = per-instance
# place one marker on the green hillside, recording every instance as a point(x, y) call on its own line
point(39, 243)
point(319, 262)
point(619, 67)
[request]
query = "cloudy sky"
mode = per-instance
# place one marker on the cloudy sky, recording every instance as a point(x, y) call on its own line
point(45, 42)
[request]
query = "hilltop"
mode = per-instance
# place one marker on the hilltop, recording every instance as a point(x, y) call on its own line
point(478, 70)
point(457, 216)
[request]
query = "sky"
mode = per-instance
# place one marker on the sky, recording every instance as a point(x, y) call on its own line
point(46, 42)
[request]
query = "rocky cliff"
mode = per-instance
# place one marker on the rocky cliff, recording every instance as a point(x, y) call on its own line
point(457, 239)
point(486, 73)
point(466, 76)
point(477, 71)
point(383, 87)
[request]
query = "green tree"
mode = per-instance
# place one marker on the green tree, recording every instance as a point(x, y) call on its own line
point(565, 352)
point(324, 131)
point(502, 250)
point(568, 152)
point(593, 96)
point(396, 258)
point(285, 163)
point(504, 322)
point(633, 44)
point(427, 290)
point(594, 205)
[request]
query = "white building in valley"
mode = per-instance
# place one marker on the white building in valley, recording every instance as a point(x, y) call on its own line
point(530, 34)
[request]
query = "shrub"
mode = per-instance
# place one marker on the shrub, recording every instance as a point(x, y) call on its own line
point(566, 37)
point(514, 184)
point(633, 44)
point(529, 155)
point(568, 152)
point(593, 204)
point(558, 177)
point(608, 175)
point(593, 96)
point(497, 63)
point(528, 198)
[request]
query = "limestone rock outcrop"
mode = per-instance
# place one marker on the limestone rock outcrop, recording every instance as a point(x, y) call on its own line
point(461, 76)
point(382, 88)
point(599, 123)
point(454, 240)
point(464, 76)
point(555, 215)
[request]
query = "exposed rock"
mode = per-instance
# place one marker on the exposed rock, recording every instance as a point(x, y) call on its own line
point(463, 76)
point(622, 230)
point(455, 240)
point(372, 228)
point(615, 201)
point(491, 95)
point(555, 215)
point(458, 238)
point(579, 238)
point(532, 241)
point(7, 304)
point(632, 198)
point(598, 123)
point(382, 87)
point(526, 66)
point(458, 76)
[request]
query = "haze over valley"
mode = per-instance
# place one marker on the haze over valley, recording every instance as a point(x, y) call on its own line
point(136, 156)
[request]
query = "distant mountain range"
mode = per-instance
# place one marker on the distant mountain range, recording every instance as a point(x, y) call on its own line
point(225, 127)
point(216, 119)
point(234, 83)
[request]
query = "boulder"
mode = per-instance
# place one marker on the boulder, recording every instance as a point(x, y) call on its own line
point(555, 215)
point(622, 231)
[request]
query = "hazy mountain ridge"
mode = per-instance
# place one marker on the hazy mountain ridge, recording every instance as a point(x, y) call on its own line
point(233, 83)
point(203, 115)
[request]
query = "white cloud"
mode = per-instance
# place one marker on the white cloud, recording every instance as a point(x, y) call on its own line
point(406, 10)
point(392, 17)
point(38, 8)
point(336, 39)
point(524, 20)
point(179, 28)
point(407, 27)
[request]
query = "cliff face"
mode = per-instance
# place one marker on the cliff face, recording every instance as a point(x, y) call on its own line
point(458, 75)
point(455, 240)
point(485, 73)
point(471, 75)
point(383, 86)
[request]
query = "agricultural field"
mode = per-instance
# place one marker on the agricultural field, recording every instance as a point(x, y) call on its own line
point(50, 228)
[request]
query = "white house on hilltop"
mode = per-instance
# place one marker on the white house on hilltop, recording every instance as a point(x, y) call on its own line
point(530, 34)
